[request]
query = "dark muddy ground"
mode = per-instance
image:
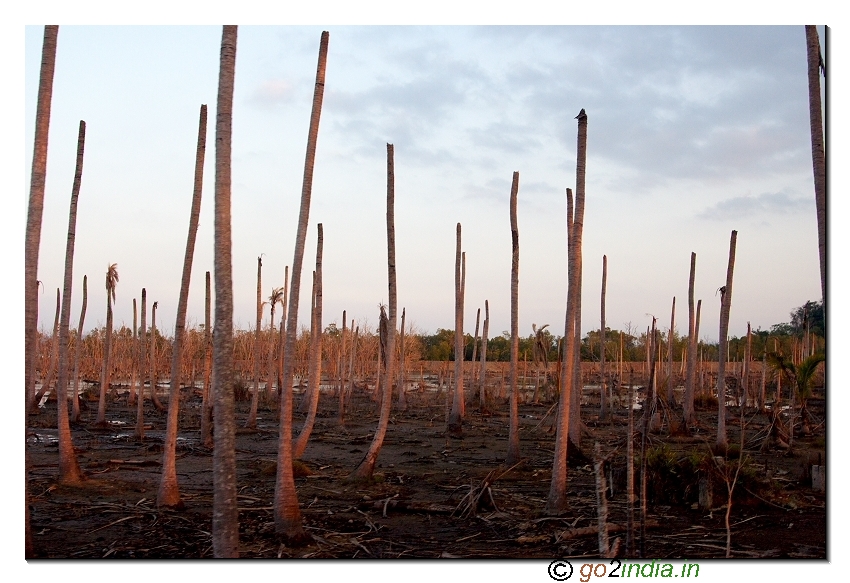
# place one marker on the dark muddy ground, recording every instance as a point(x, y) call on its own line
point(418, 505)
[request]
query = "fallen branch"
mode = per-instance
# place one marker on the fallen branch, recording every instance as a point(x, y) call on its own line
point(571, 533)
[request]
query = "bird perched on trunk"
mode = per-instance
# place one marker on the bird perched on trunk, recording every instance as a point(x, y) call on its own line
point(581, 114)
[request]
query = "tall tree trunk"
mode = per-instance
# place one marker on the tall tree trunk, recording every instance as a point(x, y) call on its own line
point(649, 414)
point(513, 456)
point(69, 468)
point(690, 378)
point(725, 305)
point(455, 424)
point(746, 373)
point(670, 337)
point(142, 352)
point(482, 374)
point(225, 521)
point(287, 515)
point(578, 226)
point(33, 234)
point(365, 469)
point(630, 470)
point(206, 437)
point(815, 61)
point(472, 382)
point(75, 397)
point(282, 335)
point(106, 372)
point(169, 490)
point(153, 355)
point(603, 410)
point(251, 422)
point(314, 378)
point(341, 369)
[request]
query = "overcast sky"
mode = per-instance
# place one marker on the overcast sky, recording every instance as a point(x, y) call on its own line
point(692, 132)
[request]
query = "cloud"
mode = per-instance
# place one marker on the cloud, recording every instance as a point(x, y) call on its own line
point(778, 203)
point(272, 93)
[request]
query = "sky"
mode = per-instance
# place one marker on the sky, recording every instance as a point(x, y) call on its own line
point(692, 132)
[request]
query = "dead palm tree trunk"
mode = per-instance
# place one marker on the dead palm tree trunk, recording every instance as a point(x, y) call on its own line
point(142, 351)
point(314, 378)
point(670, 337)
point(36, 208)
point(75, 399)
point(274, 300)
point(365, 469)
point(33, 235)
point(578, 225)
point(287, 516)
point(206, 437)
point(690, 379)
point(482, 375)
point(513, 456)
point(131, 396)
point(455, 424)
point(69, 468)
point(169, 490)
point(111, 281)
point(225, 521)
point(725, 305)
point(746, 373)
point(251, 422)
point(281, 335)
point(474, 351)
point(815, 62)
point(603, 410)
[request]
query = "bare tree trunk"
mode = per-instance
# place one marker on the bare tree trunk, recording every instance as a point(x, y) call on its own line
point(670, 337)
point(153, 363)
point(513, 456)
point(75, 398)
point(251, 422)
point(746, 373)
point(690, 379)
point(603, 409)
point(578, 226)
point(365, 469)
point(472, 382)
point(107, 345)
point(33, 234)
point(169, 490)
point(225, 520)
point(482, 375)
point(815, 61)
point(630, 471)
point(131, 396)
point(314, 378)
point(601, 502)
point(455, 424)
point(725, 305)
point(763, 381)
point(282, 336)
point(287, 515)
point(649, 411)
point(69, 468)
point(142, 351)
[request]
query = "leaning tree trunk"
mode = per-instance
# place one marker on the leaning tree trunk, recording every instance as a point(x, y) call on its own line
point(367, 466)
point(33, 234)
point(69, 468)
point(314, 374)
point(251, 422)
point(142, 352)
point(690, 378)
point(455, 424)
point(225, 520)
point(725, 305)
point(169, 490)
point(815, 61)
point(75, 397)
point(287, 515)
point(513, 456)
point(482, 374)
point(578, 223)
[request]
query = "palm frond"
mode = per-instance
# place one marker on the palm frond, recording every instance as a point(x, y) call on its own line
point(111, 280)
